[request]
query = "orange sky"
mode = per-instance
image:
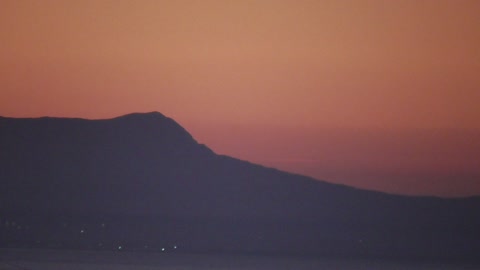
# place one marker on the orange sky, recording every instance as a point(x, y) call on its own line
point(375, 94)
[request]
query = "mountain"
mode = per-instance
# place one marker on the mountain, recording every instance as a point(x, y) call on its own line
point(141, 181)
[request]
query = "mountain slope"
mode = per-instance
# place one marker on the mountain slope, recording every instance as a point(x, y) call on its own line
point(148, 168)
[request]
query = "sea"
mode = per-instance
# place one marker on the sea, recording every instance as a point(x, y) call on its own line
point(41, 259)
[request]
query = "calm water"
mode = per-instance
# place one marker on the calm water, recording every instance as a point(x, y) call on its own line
point(11, 259)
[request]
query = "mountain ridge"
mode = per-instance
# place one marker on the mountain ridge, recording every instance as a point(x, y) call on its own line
point(155, 115)
point(147, 165)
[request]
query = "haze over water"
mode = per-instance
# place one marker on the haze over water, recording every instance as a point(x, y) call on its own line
point(73, 260)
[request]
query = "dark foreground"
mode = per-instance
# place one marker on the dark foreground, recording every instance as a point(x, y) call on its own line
point(38, 259)
point(142, 182)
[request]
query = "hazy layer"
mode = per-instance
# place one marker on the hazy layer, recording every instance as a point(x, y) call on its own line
point(58, 260)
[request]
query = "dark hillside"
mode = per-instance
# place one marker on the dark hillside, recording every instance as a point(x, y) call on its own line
point(141, 181)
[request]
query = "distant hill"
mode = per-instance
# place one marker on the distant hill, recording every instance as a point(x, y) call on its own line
point(140, 181)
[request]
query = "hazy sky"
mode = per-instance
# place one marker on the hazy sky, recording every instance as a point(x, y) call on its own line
point(375, 94)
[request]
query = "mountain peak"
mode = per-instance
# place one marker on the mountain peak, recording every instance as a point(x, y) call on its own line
point(153, 114)
point(156, 123)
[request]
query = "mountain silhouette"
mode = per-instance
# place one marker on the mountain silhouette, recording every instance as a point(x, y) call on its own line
point(141, 181)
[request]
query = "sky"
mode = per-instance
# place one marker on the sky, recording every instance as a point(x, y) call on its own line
point(379, 95)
